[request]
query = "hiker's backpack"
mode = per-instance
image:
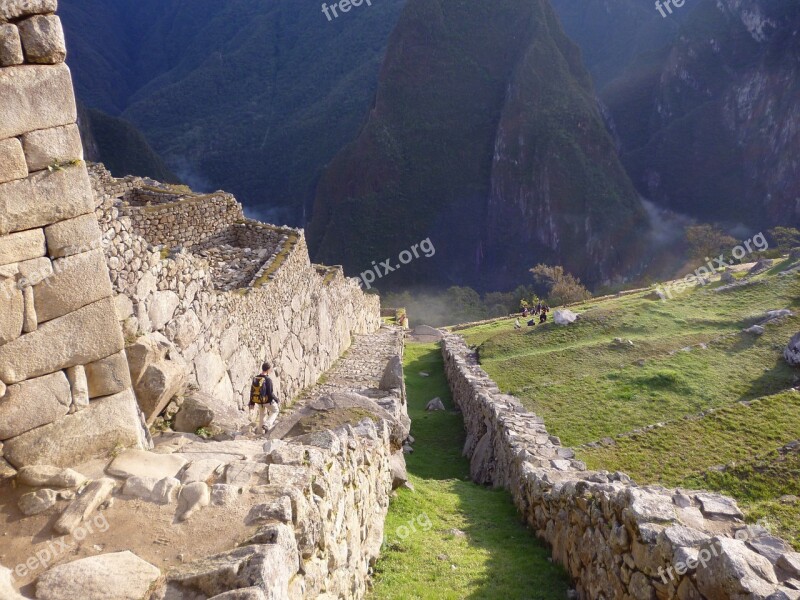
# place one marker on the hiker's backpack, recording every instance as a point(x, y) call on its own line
point(255, 390)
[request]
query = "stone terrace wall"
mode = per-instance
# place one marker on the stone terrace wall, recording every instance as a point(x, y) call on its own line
point(617, 540)
point(65, 394)
point(288, 314)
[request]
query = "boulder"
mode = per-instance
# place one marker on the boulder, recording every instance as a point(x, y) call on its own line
point(139, 463)
point(435, 405)
point(10, 46)
point(37, 502)
point(145, 351)
point(44, 148)
point(564, 317)
point(754, 330)
point(397, 466)
point(91, 497)
point(118, 576)
point(161, 309)
point(792, 351)
point(107, 423)
point(192, 415)
point(727, 278)
point(734, 571)
point(34, 403)
point(392, 374)
point(81, 337)
point(158, 491)
point(192, 498)
point(47, 476)
point(159, 384)
point(760, 266)
point(7, 589)
point(43, 39)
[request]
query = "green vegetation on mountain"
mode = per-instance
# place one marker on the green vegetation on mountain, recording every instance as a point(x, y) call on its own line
point(721, 399)
point(449, 538)
point(485, 137)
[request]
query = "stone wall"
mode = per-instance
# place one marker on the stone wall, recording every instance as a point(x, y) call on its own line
point(616, 539)
point(63, 380)
point(247, 294)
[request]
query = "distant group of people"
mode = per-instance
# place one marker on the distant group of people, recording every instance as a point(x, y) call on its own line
point(541, 309)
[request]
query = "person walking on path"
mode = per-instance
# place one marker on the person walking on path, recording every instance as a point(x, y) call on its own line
point(262, 395)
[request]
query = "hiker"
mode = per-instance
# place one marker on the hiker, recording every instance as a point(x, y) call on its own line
point(517, 324)
point(525, 312)
point(532, 323)
point(543, 317)
point(262, 395)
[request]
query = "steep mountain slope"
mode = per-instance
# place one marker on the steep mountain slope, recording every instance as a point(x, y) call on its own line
point(253, 96)
point(485, 137)
point(708, 121)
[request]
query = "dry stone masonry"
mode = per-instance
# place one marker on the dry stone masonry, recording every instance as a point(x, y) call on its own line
point(59, 335)
point(616, 539)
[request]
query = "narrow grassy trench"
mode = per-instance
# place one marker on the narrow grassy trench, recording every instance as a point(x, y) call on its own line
point(452, 539)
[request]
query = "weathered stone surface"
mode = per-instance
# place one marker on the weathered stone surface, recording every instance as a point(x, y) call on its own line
point(158, 385)
point(34, 271)
point(162, 307)
point(14, 9)
point(79, 386)
point(718, 506)
point(202, 471)
point(223, 494)
point(790, 562)
point(93, 495)
point(34, 403)
point(564, 317)
point(47, 147)
point(37, 502)
point(81, 337)
point(77, 281)
point(118, 576)
point(138, 463)
point(22, 246)
point(108, 376)
point(51, 477)
point(241, 472)
point(184, 329)
point(12, 315)
point(43, 39)
point(434, 405)
point(251, 593)
point(12, 159)
point(35, 97)
point(7, 589)
point(393, 375)
point(210, 369)
point(73, 236)
point(734, 571)
point(193, 415)
point(145, 351)
point(30, 321)
point(192, 498)
point(10, 46)
point(278, 509)
point(397, 464)
point(106, 424)
point(159, 491)
point(792, 351)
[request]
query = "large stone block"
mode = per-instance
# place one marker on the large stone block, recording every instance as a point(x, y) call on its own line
point(10, 46)
point(35, 97)
point(108, 376)
point(22, 246)
point(44, 197)
point(43, 39)
point(77, 281)
point(73, 236)
point(78, 338)
point(49, 146)
point(158, 385)
point(34, 403)
point(106, 424)
point(12, 161)
point(12, 312)
point(14, 9)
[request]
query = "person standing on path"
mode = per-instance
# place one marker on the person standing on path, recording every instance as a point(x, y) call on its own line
point(262, 395)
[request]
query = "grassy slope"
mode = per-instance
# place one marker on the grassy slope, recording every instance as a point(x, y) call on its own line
point(688, 357)
point(497, 558)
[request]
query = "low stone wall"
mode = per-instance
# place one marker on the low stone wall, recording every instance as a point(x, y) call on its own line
point(287, 313)
point(65, 394)
point(616, 539)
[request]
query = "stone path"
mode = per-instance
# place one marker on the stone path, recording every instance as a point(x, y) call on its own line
point(359, 370)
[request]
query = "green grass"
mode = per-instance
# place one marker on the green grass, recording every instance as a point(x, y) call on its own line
point(425, 555)
point(688, 357)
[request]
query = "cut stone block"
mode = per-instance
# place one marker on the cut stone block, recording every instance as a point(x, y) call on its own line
point(30, 321)
point(51, 477)
point(10, 46)
point(73, 236)
point(77, 281)
point(138, 463)
point(79, 386)
point(44, 198)
point(35, 97)
point(22, 246)
point(108, 376)
point(12, 161)
point(11, 317)
point(50, 146)
point(33, 403)
point(14, 9)
point(106, 424)
point(43, 39)
point(93, 495)
point(81, 337)
point(159, 491)
point(122, 576)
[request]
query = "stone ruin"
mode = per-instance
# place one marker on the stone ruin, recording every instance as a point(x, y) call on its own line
point(129, 309)
point(615, 539)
